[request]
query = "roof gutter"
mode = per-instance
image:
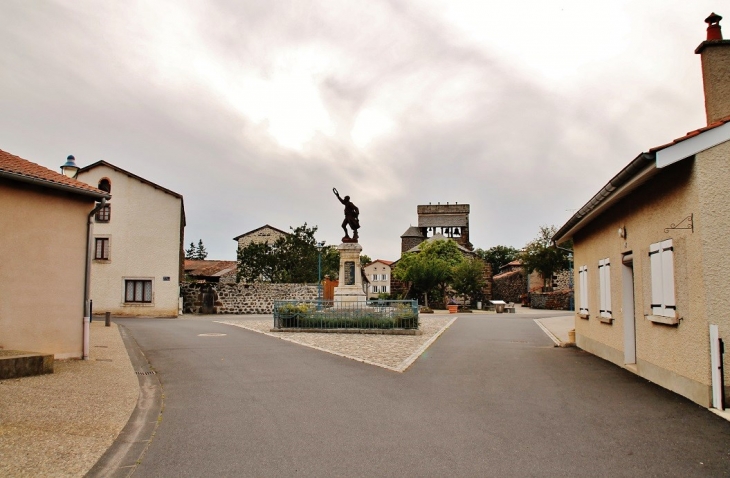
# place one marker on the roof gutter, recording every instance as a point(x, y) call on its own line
point(53, 185)
point(634, 174)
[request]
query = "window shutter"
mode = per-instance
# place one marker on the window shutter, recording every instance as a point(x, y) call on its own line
point(667, 255)
point(602, 288)
point(583, 284)
point(607, 282)
point(655, 257)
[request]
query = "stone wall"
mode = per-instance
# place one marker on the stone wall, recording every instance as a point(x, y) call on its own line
point(408, 243)
point(509, 287)
point(563, 280)
point(557, 300)
point(257, 298)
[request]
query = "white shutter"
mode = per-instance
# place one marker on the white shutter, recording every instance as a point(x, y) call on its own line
point(668, 276)
point(583, 284)
point(585, 287)
point(607, 286)
point(657, 299)
point(601, 289)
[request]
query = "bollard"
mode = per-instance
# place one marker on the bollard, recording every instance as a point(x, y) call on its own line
point(107, 319)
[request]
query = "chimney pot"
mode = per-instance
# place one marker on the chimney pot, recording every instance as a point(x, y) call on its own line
point(715, 59)
point(714, 30)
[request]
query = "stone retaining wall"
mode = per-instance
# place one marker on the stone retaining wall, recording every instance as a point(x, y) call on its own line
point(557, 300)
point(257, 298)
point(510, 287)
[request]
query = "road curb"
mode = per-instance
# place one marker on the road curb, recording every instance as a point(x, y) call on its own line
point(123, 456)
point(549, 334)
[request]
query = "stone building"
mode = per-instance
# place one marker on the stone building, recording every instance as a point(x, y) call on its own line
point(448, 220)
point(264, 233)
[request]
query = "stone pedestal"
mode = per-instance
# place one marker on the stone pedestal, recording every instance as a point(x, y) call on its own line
point(350, 288)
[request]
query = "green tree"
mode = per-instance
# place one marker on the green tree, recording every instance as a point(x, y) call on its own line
point(290, 259)
point(468, 278)
point(201, 253)
point(431, 268)
point(190, 252)
point(196, 252)
point(365, 259)
point(498, 256)
point(542, 256)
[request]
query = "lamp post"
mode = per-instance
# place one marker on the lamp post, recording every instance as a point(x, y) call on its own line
point(69, 168)
point(319, 246)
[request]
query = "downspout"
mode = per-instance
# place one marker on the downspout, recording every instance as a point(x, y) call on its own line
point(87, 278)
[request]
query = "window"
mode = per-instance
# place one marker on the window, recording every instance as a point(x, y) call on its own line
point(661, 256)
point(385, 276)
point(583, 285)
point(604, 279)
point(138, 291)
point(375, 277)
point(384, 288)
point(105, 185)
point(375, 289)
point(101, 248)
point(104, 214)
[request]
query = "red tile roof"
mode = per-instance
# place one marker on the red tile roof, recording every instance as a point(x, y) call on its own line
point(209, 268)
point(506, 274)
point(387, 263)
point(19, 168)
point(691, 134)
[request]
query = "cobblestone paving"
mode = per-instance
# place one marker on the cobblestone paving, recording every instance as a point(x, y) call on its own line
point(394, 352)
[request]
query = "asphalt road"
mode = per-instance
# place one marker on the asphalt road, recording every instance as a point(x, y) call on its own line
point(491, 397)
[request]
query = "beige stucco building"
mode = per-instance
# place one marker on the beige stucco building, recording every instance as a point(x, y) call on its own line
point(378, 273)
point(43, 237)
point(652, 252)
point(138, 245)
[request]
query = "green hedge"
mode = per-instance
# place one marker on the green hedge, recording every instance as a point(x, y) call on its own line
point(306, 315)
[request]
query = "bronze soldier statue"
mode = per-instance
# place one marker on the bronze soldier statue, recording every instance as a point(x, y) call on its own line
point(352, 215)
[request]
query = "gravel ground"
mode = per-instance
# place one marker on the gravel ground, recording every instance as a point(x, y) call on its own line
point(59, 424)
point(394, 352)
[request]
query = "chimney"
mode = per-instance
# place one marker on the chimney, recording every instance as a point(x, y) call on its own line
point(715, 55)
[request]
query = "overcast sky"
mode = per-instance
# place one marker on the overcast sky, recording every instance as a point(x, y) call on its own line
point(255, 110)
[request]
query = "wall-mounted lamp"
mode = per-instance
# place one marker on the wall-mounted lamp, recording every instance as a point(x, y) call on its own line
point(622, 232)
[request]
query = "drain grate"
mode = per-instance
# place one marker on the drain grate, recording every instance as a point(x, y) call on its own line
point(146, 373)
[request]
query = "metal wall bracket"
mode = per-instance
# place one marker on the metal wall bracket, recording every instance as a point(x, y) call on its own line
point(687, 221)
